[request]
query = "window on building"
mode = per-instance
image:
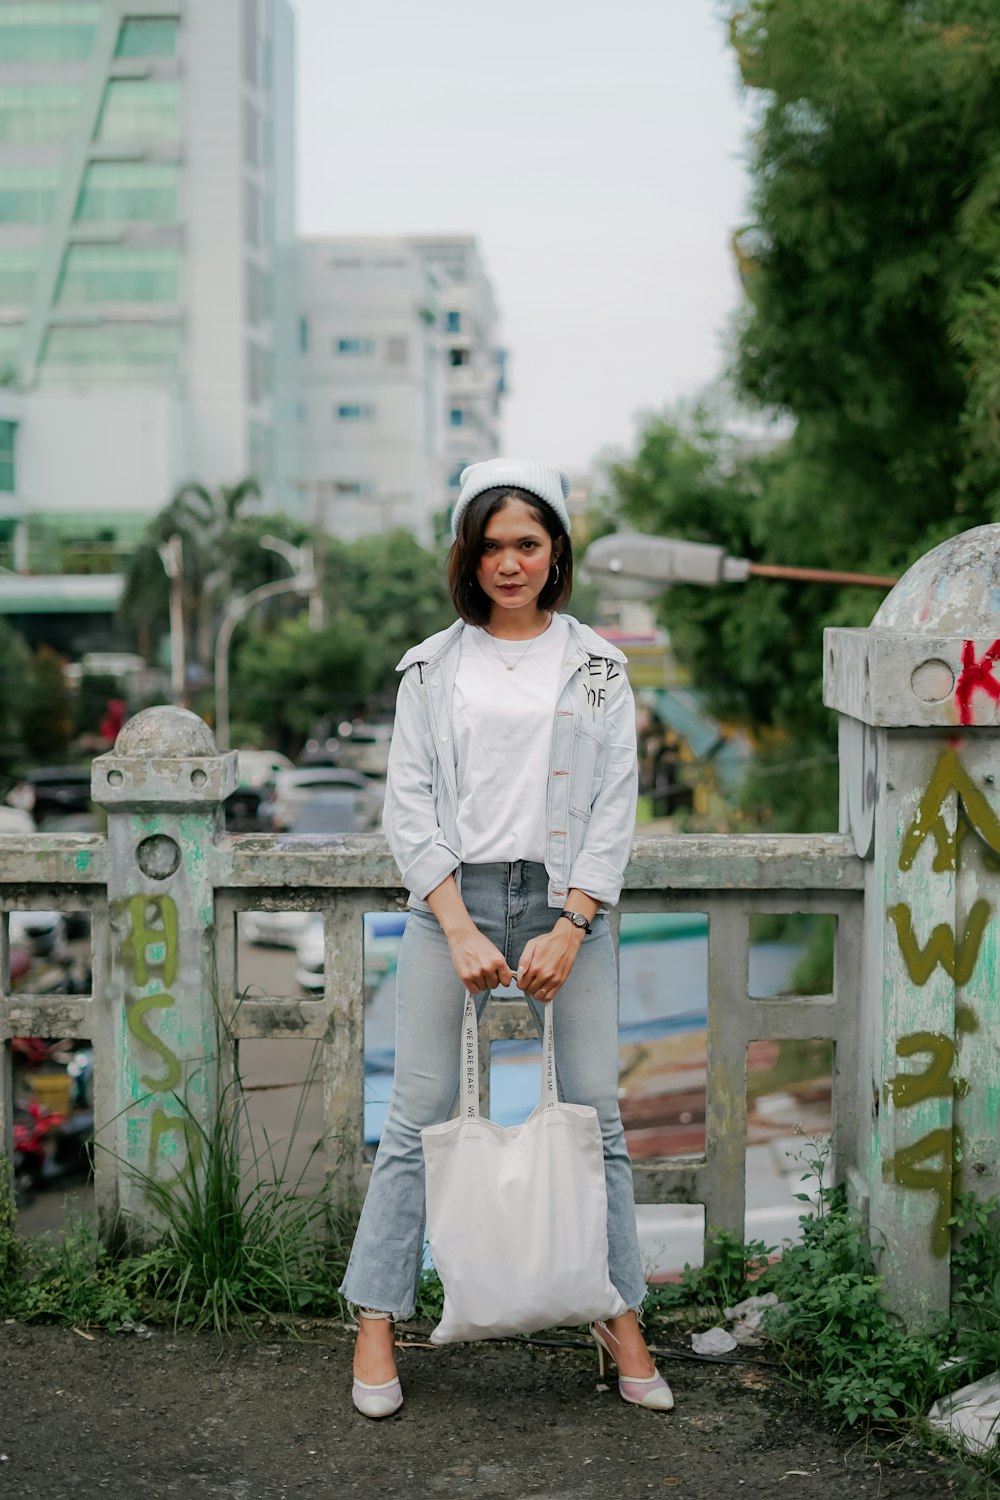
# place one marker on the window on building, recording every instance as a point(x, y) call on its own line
point(455, 477)
point(120, 273)
point(8, 431)
point(27, 192)
point(110, 351)
point(47, 33)
point(35, 114)
point(128, 191)
point(453, 322)
point(355, 346)
point(253, 214)
point(259, 294)
point(260, 446)
point(253, 134)
point(149, 36)
point(17, 273)
point(260, 381)
point(10, 346)
point(357, 411)
point(397, 351)
point(138, 110)
point(458, 357)
point(456, 417)
point(303, 335)
point(355, 487)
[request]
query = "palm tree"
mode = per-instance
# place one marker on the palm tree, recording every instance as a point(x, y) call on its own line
point(202, 518)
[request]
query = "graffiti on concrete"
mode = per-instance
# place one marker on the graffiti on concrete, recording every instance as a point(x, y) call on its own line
point(151, 942)
point(929, 1164)
point(949, 776)
point(936, 1081)
point(958, 959)
point(908, 1172)
point(976, 677)
point(150, 952)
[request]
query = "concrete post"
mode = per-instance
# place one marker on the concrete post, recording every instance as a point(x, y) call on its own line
point(163, 787)
point(918, 695)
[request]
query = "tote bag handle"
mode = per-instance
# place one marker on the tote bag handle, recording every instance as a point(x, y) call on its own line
point(470, 1062)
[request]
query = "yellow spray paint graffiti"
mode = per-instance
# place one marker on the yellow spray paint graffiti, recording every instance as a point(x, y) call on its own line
point(957, 959)
point(957, 956)
point(150, 950)
point(949, 776)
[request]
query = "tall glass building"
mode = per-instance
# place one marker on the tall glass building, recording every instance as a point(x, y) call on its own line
point(146, 263)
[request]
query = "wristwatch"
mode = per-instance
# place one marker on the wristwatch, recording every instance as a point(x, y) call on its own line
point(577, 918)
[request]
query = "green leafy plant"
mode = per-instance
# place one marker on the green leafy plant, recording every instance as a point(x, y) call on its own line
point(240, 1242)
point(730, 1273)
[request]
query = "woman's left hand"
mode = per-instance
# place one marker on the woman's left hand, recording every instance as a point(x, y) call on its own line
point(545, 964)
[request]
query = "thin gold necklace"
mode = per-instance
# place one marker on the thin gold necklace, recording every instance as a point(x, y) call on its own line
point(512, 667)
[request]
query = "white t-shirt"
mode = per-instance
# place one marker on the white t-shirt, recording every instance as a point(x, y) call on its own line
point(503, 733)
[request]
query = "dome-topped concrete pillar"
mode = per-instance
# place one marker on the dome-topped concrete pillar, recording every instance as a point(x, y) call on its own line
point(918, 694)
point(163, 787)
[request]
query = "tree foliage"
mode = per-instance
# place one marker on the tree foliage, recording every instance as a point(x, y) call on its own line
point(15, 677)
point(871, 270)
point(396, 588)
point(208, 524)
point(47, 724)
point(382, 594)
point(290, 677)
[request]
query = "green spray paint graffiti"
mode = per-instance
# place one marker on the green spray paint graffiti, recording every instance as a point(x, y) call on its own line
point(150, 951)
point(957, 956)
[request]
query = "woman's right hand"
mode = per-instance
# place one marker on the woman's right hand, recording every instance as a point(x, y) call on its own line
point(478, 963)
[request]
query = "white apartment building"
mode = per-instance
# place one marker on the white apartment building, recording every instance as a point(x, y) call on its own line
point(474, 363)
point(146, 256)
point(371, 386)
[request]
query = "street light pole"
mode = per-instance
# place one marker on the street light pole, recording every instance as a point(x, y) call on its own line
point(235, 612)
point(640, 567)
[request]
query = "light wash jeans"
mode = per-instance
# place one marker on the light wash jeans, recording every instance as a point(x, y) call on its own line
point(509, 903)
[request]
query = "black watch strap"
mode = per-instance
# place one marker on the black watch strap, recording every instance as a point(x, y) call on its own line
point(578, 919)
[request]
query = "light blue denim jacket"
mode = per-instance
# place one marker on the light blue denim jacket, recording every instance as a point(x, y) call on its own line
point(593, 778)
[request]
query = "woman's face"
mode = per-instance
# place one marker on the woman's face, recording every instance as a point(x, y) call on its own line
point(516, 560)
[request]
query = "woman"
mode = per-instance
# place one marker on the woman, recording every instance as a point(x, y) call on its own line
point(509, 809)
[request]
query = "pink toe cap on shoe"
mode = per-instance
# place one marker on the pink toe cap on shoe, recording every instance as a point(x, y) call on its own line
point(377, 1400)
point(654, 1393)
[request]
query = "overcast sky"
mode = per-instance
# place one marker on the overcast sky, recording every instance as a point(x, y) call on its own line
point(595, 148)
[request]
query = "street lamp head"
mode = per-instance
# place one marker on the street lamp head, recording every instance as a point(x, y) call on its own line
point(631, 565)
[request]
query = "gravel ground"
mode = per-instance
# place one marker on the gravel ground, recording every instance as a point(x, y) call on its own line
point(178, 1414)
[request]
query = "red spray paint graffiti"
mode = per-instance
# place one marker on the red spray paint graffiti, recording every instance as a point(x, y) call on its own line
point(976, 676)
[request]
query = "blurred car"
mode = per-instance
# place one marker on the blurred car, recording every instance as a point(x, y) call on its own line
point(52, 790)
point(294, 787)
point(383, 930)
point(273, 929)
point(260, 768)
point(15, 822)
point(42, 933)
point(342, 809)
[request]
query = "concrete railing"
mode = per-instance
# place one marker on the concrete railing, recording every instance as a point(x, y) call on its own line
point(910, 881)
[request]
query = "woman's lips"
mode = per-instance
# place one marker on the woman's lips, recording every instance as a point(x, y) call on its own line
point(509, 588)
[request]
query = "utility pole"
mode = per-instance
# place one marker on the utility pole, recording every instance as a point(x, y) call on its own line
point(172, 557)
point(319, 490)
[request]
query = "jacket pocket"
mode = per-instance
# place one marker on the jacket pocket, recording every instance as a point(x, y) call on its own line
point(586, 769)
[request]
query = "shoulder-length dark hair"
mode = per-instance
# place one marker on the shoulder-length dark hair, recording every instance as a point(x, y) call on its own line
point(466, 550)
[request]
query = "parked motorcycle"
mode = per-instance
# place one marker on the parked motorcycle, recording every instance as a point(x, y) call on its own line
point(53, 1112)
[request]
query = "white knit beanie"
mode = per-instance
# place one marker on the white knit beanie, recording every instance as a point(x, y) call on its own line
point(544, 481)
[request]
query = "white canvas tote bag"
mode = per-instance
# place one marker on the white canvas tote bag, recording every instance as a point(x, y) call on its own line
point(517, 1217)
